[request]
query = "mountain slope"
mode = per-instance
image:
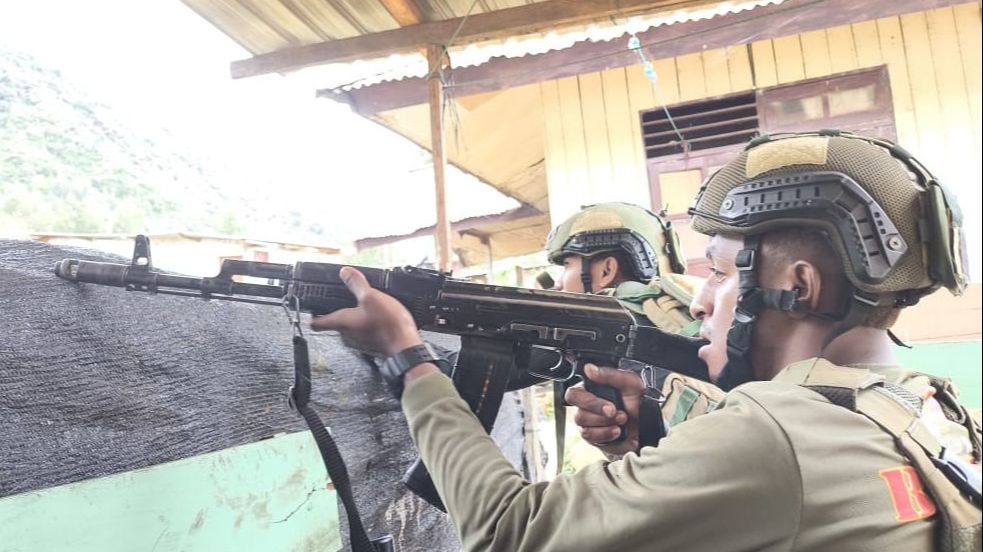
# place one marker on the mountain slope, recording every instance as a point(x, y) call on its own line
point(69, 164)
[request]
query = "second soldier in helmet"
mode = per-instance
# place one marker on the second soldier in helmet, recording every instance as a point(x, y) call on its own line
point(626, 251)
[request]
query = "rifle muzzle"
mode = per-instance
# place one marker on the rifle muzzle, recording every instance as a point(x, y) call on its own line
point(107, 274)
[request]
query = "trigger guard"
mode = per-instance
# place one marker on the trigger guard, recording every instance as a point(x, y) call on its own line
point(554, 373)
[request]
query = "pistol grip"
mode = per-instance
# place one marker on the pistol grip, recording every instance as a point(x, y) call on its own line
point(609, 394)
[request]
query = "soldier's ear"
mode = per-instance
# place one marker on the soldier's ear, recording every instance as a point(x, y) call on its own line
point(609, 268)
point(807, 279)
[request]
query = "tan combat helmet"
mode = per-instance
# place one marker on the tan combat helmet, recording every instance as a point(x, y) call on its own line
point(649, 242)
point(895, 228)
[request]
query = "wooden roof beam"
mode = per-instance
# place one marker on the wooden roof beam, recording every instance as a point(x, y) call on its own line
point(405, 12)
point(482, 26)
point(788, 18)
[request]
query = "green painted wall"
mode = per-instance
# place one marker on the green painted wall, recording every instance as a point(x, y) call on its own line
point(269, 496)
point(960, 361)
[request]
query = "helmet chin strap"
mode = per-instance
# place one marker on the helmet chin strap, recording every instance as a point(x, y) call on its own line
point(738, 368)
point(585, 274)
point(752, 299)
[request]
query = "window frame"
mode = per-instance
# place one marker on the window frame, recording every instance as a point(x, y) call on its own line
point(879, 122)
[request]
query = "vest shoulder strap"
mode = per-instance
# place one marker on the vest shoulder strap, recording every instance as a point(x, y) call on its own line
point(839, 385)
point(953, 484)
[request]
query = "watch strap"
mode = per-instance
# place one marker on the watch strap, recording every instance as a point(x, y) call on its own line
point(394, 368)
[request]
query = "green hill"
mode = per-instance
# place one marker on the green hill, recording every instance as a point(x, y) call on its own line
point(69, 164)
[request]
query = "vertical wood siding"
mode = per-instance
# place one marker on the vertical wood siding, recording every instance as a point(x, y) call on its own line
point(593, 140)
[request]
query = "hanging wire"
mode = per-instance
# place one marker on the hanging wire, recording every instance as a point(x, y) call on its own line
point(450, 42)
point(635, 44)
point(460, 25)
point(447, 78)
point(450, 106)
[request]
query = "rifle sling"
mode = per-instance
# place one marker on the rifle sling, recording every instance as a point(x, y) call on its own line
point(300, 395)
point(560, 422)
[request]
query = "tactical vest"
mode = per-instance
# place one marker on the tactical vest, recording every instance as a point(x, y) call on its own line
point(686, 398)
point(953, 484)
point(671, 399)
point(664, 302)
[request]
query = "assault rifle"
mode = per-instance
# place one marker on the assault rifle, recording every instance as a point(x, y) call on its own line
point(498, 325)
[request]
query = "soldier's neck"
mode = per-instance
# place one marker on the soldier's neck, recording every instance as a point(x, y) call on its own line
point(862, 345)
point(858, 346)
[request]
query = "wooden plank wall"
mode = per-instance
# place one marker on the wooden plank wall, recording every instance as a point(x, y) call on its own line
point(933, 59)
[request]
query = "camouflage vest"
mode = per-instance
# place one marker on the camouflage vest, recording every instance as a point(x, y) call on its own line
point(664, 302)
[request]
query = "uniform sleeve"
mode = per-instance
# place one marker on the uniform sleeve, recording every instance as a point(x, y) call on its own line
point(724, 481)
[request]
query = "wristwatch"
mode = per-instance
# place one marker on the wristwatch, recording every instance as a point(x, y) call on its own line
point(395, 367)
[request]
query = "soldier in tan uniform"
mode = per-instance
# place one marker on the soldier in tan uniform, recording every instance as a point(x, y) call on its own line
point(821, 444)
point(629, 252)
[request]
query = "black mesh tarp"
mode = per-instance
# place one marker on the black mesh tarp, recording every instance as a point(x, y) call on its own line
point(96, 381)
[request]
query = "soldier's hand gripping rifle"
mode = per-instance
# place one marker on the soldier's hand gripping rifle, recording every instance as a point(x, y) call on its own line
point(498, 325)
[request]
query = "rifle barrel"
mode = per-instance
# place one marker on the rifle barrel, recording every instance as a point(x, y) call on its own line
point(142, 279)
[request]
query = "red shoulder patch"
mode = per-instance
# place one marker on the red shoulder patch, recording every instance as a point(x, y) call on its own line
point(907, 494)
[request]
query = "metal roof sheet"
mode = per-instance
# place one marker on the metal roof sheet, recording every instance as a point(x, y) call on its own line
point(363, 73)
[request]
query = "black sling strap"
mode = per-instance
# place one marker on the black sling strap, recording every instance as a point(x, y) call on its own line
point(560, 422)
point(300, 395)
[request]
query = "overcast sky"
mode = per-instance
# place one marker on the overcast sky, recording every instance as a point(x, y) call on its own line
point(161, 65)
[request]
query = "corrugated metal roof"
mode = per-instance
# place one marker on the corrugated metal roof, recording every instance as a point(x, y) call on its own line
point(362, 73)
point(263, 26)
